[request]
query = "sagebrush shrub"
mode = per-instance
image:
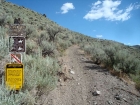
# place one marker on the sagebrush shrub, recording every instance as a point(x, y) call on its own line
point(2, 20)
point(52, 32)
point(64, 44)
point(30, 47)
point(41, 27)
point(137, 103)
point(29, 31)
point(110, 59)
point(3, 47)
point(8, 97)
point(89, 49)
point(136, 79)
point(98, 55)
point(43, 37)
point(2, 31)
point(47, 48)
point(40, 72)
point(125, 62)
point(9, 20)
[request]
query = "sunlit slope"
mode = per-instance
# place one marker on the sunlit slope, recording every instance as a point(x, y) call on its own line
point(46, 41)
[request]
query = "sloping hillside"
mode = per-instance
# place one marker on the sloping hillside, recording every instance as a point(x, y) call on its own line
point(137, 46)
point(46, 41)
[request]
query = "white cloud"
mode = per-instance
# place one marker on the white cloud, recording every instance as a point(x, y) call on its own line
point(66, 7)
point(129, 43)
point(108, 9)
point(99, 36)
point(137, 6)
point(97, 3)
point(57, 12)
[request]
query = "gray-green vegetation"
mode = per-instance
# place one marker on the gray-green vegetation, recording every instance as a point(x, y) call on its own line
point(45, 41)
point(117, 57)
point(3, 43)
point(137, 103)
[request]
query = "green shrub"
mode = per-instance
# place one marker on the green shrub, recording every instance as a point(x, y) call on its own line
point(136, 79)
point(110, 59)
point(25, 20)
point(98, 55)
point(126, 62)
point(30, 47)
point(3, 47)
point(47, 48)
point(2, 32)
point(43, 37)
point(2, 1)
point(40, 72)
point(73, 41)
point(2, 20)
point(30, 32)
point(9, 20)
point(64, 44)
point(62, 36)
point(52, 32)
point(137, 103)
point(41, 27)
point(8, 97)
point(89, 49)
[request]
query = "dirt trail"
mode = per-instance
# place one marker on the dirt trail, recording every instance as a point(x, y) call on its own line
point(85, 79)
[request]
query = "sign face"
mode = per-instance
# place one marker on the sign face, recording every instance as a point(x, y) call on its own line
point(16, 44)
point(16, 58)
point(14, 76)
point(17, 30)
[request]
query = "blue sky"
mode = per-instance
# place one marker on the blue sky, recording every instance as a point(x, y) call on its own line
point(117, 20)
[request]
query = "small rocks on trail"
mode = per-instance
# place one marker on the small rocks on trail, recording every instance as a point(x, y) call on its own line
point(96, 93)
point(95, 103)
point(72, 72)
point(118, 97)
point(125, 99)
point(110, 102)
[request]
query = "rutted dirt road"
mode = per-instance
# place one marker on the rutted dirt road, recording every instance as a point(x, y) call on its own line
point(86, 78)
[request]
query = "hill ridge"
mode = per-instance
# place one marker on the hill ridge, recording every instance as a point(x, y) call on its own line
point(46, 41)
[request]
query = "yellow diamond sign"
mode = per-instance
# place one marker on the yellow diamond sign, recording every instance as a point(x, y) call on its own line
point(14, 76)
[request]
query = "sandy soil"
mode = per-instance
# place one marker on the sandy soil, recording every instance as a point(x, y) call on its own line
point(80, 80)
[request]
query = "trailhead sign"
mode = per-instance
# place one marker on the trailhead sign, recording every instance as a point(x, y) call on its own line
point(14, 76)
point(14, 71)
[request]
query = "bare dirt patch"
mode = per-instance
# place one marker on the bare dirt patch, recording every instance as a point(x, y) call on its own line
point(88, 84)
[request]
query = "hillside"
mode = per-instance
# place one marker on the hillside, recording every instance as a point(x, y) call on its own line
point(46, 42)
point(137, 46)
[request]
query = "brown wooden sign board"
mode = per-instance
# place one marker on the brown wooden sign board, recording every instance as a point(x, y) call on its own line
point(17, 44)
point(17, 30)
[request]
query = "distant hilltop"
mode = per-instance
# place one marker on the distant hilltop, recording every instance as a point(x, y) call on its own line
point(137, 46)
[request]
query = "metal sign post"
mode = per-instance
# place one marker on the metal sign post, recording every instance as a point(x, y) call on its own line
point(14, 72)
